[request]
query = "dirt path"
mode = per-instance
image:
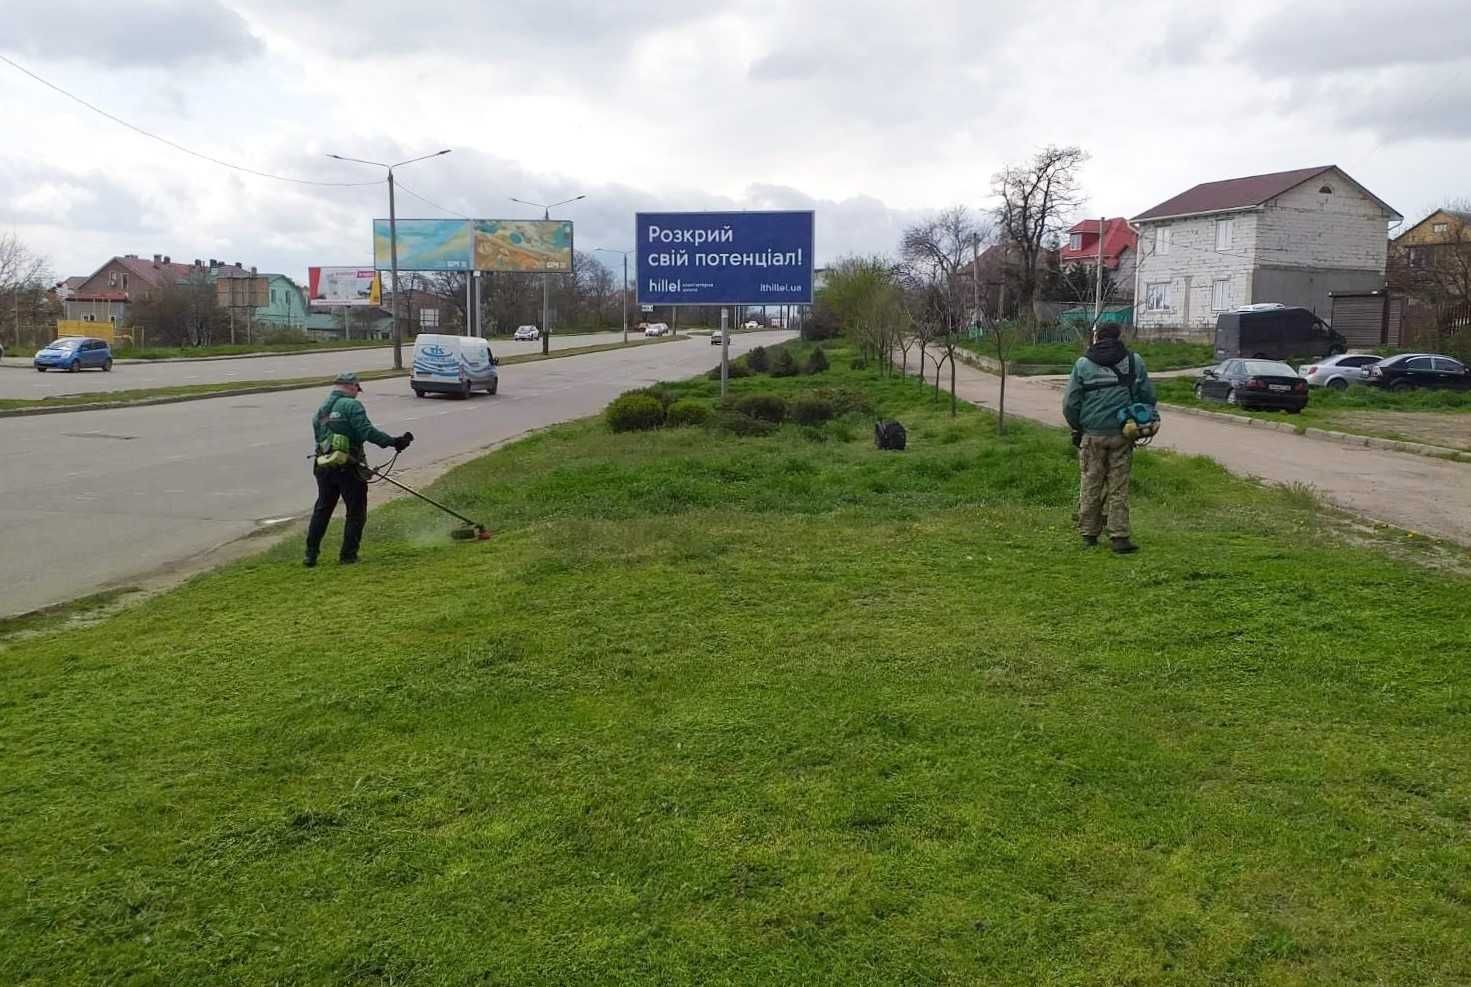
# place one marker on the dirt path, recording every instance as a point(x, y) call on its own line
point(1427, 496)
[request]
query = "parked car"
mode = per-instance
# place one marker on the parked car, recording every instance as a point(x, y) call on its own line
point(656, 329)
point(751, 324)
point(524, 334)
point(1429, 370)
point(74, 353)
point(453, 365)
point(1337, 372)
point(1254, 384)
point(1275, 332)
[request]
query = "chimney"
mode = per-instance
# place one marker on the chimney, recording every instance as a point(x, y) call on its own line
point(213, 263)
point(198, 262)
point(167, 259)
point(131, 256)
point(252, 269)
point(157, 258)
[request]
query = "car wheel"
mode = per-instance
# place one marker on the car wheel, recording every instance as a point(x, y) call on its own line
point(1199, 393)
point(1400, 385)
point(418, 392)
point(1231, 397)
point(464, 391)
point(494, 386)
point(107, 366)
point(1338, 384)
point(40, 370)
point(74, 366)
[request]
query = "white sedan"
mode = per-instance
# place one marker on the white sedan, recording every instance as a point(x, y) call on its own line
point(1339, 371)
point(526, 334)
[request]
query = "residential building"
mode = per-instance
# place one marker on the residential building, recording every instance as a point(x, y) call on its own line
point(1290, 237)
point(1443, 231)
point(106, 294)
point(1120, 252)
point(998, 271)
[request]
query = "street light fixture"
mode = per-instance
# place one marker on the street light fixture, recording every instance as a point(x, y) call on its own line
point(546, 214)
point(398, 357)
point(624, 299)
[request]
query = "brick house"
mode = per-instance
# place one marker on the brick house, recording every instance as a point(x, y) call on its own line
point(105, 295)
point(1291, 237)
point(1120, 251)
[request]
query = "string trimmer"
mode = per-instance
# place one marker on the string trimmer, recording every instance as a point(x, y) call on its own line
point(474, 531)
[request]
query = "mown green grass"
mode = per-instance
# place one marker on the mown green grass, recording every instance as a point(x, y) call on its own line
point(1061, 356)
point(774, 710)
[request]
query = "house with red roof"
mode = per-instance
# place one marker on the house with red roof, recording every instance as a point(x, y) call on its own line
point(104, 295)
point(1120, 251)
point(1290, 237)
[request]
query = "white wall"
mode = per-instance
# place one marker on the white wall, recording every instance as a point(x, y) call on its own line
point(1345, 230)
point(1192, 267)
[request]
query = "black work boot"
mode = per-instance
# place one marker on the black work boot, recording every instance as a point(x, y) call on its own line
point(1090, 541)
point(1122, 546)
point(310, 561)
point(348, 560)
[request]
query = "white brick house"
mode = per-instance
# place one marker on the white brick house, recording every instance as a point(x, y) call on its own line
point(1289, 237)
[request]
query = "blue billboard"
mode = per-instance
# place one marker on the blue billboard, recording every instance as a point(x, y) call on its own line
point(724, 258)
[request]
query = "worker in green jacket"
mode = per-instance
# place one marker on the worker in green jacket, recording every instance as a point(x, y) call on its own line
point(1105, 380)
point(341, 428)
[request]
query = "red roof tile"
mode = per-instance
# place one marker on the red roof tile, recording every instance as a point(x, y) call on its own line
point(1118, 237)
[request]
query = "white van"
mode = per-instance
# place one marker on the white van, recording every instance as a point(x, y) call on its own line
point(452, 365)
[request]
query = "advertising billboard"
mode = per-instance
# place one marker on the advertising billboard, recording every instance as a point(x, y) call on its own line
point(337, 286)
point(523, 245)
point(424, 245)
point(724, 258)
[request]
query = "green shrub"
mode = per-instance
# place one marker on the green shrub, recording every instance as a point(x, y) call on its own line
point(785, 365)
point(858, 363)
point(764, 407)
point(816, 363)
point(811, 410)
point(687, 412)
point(758, 361)
point(738, 369)
point(663, 396)
point(845, 400)
point(634, 413)
point(738, 424)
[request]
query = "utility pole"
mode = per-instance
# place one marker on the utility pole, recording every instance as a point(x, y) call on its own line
point(975, 279)
point(1098, 277)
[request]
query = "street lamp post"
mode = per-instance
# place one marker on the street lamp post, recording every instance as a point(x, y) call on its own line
point(546, 215)
point(398, 356)
point(624, 299)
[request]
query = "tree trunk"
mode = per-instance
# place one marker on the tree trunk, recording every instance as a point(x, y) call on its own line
point(952, 385)
point(1001, 403)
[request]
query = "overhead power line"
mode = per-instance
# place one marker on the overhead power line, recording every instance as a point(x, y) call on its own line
point(428, 202)
point(174, 144)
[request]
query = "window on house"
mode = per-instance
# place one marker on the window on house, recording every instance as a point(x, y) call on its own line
point(1076, 243)
point(1419, 260)
point(1162, 240)
point(1221, 294)
point(112, 279)
point(1157, 296)
point(429, 318)
point(1225, 233)
point(1441, 227)
point(125, 282)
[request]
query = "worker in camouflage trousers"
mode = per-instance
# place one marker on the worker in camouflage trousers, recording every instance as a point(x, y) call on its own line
point(1105, 381)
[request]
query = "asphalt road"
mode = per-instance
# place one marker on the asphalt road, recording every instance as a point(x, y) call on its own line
point(18, 379)
point(94, 499)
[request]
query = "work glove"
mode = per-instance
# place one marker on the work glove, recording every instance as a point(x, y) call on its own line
point(1077, 438)
point(403, 442)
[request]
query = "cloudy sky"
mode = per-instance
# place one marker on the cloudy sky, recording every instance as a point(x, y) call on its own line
point(871, 113)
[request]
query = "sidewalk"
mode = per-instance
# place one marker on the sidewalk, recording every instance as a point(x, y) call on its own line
point(1427, 496)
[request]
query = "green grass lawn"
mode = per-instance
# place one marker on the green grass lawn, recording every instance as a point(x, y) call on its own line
point(761, 710)
point(1359, 410)
point(1061, 356)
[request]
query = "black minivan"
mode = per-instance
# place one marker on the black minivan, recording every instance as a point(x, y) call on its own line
point(1275, 333)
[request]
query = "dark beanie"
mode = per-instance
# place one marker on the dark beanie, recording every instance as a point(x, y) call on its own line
point(1109, 331)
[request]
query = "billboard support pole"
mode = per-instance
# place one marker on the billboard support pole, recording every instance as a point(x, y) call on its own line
point(469, 327)
point(624, 306)
point(724, 349)
point(398, 353)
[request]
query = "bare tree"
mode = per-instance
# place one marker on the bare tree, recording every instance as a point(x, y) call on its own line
point(864, 293)
point(1036, 201)
point(24, 276)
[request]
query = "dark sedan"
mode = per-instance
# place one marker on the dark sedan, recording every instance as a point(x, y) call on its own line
point(1401, 373)
point(1254, 384)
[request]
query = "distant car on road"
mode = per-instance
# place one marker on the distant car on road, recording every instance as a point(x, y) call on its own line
point(656, 329)
point(1337, 372)
point(1412, 370)
point(525, 334)
point(752, 324)
point(716, 338)
point(1254, 384)
point(74, 353)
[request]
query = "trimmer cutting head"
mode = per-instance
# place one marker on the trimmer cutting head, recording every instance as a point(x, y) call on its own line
point(476, 533)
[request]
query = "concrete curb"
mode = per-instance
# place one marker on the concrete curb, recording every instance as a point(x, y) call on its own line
point(1328, 435)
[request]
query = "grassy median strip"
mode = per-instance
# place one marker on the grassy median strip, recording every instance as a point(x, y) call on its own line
point(149, 394)
point(1433, 417)
point(780, 709)
point(1058, 358)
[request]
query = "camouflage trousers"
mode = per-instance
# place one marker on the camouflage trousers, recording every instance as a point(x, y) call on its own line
point(1105, 461)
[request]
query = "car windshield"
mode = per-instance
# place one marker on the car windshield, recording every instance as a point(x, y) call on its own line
point(64, 344)
point(1267, 368)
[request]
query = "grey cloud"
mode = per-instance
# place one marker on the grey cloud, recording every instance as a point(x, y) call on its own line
point(1427, 104)
point(93, 201)
point(1332, 36)
point(784, 66)
point(159, 33)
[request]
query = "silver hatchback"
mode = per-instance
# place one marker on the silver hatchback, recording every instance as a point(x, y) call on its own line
point(1337, 372)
